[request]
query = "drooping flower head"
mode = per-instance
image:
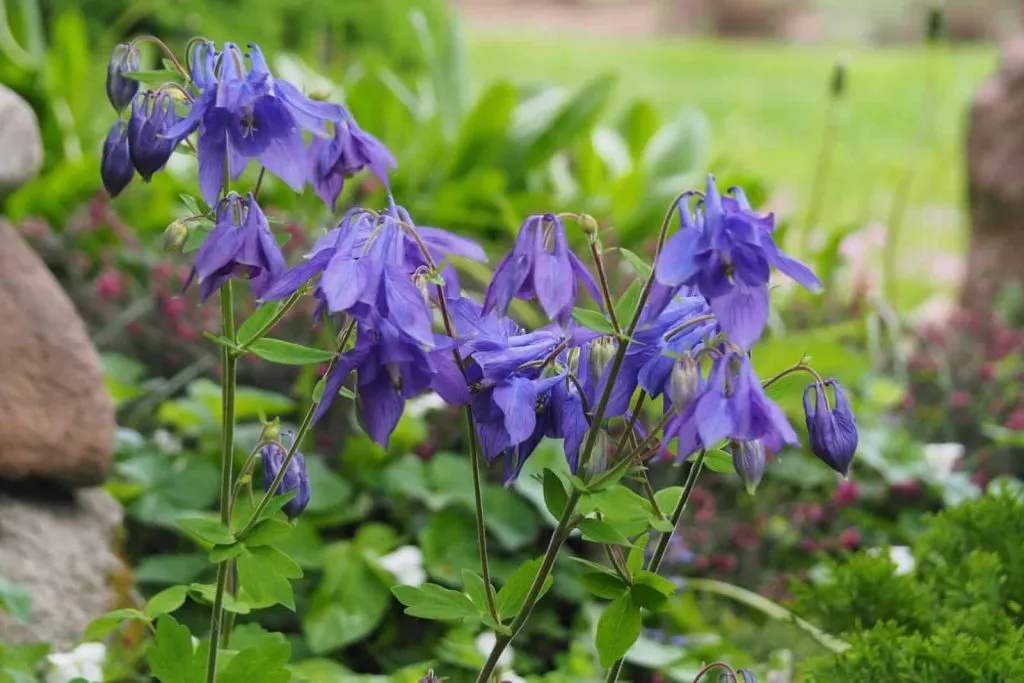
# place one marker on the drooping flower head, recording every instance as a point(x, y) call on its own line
point(732, 406)
point(295, 477)
point(243, 113)
point(116, 168)
point(349, 151)
point(540, 266)
point(120, 88)
point(152, 116)
point(749, 461)
point(240, 245)
point(726, 251)
point(832, 431)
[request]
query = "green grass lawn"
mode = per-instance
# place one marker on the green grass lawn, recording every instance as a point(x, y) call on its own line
point(767, 107)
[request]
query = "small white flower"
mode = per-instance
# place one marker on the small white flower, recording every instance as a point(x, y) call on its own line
point(942, 457)
point(406, 564)
point(85, 661)
point(421, 405)
point(899, 555)
point(511, 677)
point(486, 641)
point(166, 442)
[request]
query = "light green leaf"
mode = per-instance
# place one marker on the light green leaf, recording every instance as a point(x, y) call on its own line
point(604, 585)
point(512, 596)
point(475, 588)
point(103, 626)
point(206, 593)
point(207, 529)
point(226, 552)
point(260, 317)
point(15, 600)
point(166, 601)
point(593, 320)
point(635, 560)
point(626, 305)
point(431, 601)
point(287, 353)
point(617, 629)
point(597, 531)
point(265, 664)
point(642, 268)
point(267, 532)
point(719, 461)
point(171, 657)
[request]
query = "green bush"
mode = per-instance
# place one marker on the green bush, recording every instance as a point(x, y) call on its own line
point(955, 617)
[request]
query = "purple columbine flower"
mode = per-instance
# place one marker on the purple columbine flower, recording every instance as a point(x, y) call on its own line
point(749, 461)
point(832, 431)
point(733, 405)
point(240, 244)
point(120, 88)
point(726, 251)
point(391, 367)
point(540, 266)
point(295, 477)
point(116, 168)
point(351, 150)
point(150, 149)
point(245, 113)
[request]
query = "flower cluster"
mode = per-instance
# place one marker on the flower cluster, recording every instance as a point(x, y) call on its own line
point(408, 325)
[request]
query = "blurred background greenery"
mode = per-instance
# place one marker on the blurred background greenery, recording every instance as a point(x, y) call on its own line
point(587, 107)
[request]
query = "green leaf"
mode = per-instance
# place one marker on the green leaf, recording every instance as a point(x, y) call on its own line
point(475, 588)
point(597, 531)
point(642, 268)
point(593, 320)
point(195, 205)
point(101, 627)
point(635, 561)
point(648, 597)
point(221, 553)
point(276, 503)
point(267, 532)
point(15, 600)
point(658, 583)
point(512, 596)
point(431, 601)
point(171, 657)
point(257, 321)
point(287, 353)
point(626, 305)
point(574, 118)
point(624, 509)
point(604, 585)
point(555, 495)
point(510, 518)
point(449, 544)
point(207, 529)
point(263, 574)
point(265, 664)
point(617, 629)
point(166, 601)
point(349, 602)
point(719, 461)
point(593, 566)
point(484, 131)
point(154, 76)
point(205, 592)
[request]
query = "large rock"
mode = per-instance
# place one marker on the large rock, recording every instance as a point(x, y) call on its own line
point(56, 417)
point(62, 551)
point(21, 144)
point(995, 167)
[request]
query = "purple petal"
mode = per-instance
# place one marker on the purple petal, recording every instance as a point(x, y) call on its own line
point(212, 149)
point(677, 263)
point(517, 399)
point(291, 280)
point(308, 113)
point(447, 243)
point(742, 313)
point(791, 267)
point(406, 308)
point(583, 273)
point(335, 381)
point(380, 408)
point(343, 282)
point(508, 279)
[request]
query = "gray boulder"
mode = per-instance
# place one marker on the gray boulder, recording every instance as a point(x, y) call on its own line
point(21, 143)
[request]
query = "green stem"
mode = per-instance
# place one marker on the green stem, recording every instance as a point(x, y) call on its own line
point(606, 293)
point(279, 315)
point(227, 308)
point(558, 537)
point(481, 530)
point(662, 548)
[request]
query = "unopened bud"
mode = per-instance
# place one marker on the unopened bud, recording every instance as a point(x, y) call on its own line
point(294, 479)
point(589, 224)
point(120, 88)
point(597, 461)
point(837, 87)
point(272, 429)
point(320, 94)
point(175, 236)
point(684, 383)
point(572, 360)
point(748, 458)
point(600, 354)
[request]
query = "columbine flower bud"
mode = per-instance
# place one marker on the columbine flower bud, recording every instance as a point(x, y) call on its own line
point(684, 383)
point(833, 432)
point(749, 460)
point(120, 88)
point(116, 168)
point(175, 236)
point(295, 478)
point(599, 356)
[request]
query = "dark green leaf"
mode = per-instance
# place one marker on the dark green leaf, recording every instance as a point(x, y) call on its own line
point(256, 322)
point(431, 601)
point(267, 532)
point(626, 305)
point(226, 552)
point(287, 353)
point(597, 531)
point(719, 461)
point(618, 629)
point(658, 583)
point(648, 597)
point(207, 529)
point(513, 593)
point(166, 601)
point(102, 627)
point(635, 561)
point(604, 585)
point(171, 657)
point(555, 495)
point(593, 320)
point(265, 664)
